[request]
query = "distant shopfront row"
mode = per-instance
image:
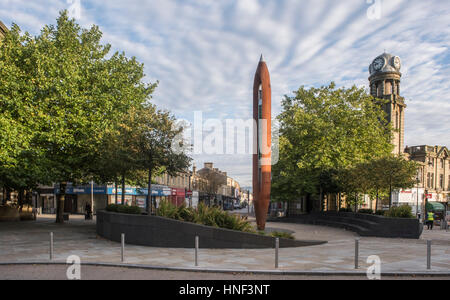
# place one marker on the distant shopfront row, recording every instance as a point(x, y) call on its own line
point(77, 198)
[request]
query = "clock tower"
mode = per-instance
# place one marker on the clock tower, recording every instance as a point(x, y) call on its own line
point(384, 81)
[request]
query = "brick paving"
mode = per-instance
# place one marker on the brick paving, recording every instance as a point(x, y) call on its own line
point(29, 242)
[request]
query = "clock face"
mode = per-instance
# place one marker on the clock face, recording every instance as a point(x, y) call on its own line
point(378, 63)
point(397, 62)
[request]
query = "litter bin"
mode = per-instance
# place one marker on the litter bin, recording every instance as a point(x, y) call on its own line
point(66, 217)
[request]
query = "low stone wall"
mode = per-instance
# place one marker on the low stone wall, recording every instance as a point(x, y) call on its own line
point(364, 224)
point(167, 233)
point(9, 214)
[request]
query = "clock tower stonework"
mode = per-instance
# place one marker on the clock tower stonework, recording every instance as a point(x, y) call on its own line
point(385, 78)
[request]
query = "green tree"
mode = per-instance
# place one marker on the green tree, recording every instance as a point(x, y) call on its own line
point(21, 160)
point(160, 145)
point(392, 172)
point(67, 91)
point(325, 130)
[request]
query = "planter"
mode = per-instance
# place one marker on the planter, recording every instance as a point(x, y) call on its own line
point(167, 233)
point(364, 224)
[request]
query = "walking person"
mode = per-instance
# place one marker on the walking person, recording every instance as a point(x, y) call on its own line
point(430, 220)
point(88, 210)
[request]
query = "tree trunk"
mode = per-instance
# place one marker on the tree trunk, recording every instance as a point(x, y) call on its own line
point(390, 196)
point(149, 205)
point(123, 189)
point(117, 190)
point(356, 202)
point(60, 203)
point(8, 194)
point(321, 200)
point(4, 196)
point(378, 199)
point(340, 202)
point(20, 199)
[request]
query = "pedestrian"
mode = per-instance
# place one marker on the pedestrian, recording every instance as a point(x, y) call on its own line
point(88, 210)
point(430, 220)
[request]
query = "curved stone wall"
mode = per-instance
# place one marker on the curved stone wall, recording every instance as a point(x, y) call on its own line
point(363, 224)
point(167, 233)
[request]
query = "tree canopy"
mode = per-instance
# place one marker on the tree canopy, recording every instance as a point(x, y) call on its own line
point(324, 131)
point(71, 111)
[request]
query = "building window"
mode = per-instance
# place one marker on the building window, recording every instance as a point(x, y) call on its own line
point(441, 181)
point(432, 180)
point(396, 121)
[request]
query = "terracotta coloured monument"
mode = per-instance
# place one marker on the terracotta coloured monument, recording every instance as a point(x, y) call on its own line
point(262, 142)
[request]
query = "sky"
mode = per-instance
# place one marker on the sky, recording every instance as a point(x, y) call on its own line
point(204, 53)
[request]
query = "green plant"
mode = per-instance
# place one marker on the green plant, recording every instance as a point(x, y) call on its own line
point(380, 212)
point(283, 235)
point(124, 209)
point(348, 209)
point(403, 211)
point(204, 215)
point(366, 211)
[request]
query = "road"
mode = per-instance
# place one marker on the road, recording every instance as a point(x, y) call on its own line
point(58, 272)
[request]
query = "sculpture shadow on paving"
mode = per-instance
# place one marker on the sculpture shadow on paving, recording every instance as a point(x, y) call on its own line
point(167, 233)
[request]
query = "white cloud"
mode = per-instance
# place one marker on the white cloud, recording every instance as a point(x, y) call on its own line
point(204, 53)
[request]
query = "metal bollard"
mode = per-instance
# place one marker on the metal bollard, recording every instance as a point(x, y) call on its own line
point(197, 242)
point(51, 245)
point(429, 255)
point(277, 248)
point(356, 254)
point(122, 250)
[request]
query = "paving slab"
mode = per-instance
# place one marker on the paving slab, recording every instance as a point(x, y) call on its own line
point(29, 242)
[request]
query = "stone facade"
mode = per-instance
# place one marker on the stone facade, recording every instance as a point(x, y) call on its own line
point(3, 30)
point(434, 170)
point(385, 78)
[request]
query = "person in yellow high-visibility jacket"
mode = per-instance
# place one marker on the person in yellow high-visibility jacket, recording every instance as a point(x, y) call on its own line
point(430, 220)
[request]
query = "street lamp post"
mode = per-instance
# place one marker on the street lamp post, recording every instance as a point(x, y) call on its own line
point(417, 206)
point(190, 195)
point(248, 201)
point(92, 198)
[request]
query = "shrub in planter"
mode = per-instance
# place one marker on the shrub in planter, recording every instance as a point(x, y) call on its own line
point(208, 216)
point(403, 211)
point(366, 211)
point(124, 209)
point(283, 235)
point(380, 212)
point(348, 209)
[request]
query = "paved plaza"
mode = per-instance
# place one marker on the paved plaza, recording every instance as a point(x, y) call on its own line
point(29, 242)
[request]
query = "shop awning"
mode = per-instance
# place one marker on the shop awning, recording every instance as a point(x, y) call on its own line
point(435, 206)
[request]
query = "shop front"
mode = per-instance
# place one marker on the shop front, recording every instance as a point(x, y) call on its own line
point(78, 198)
point(178, 197)
point(138, 196)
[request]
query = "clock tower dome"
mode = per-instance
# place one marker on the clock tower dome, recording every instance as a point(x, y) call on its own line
point(385, 78)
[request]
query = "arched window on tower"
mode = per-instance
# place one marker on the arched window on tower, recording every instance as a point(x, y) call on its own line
point(379, 89)
point(397, 121)
point(388, 88)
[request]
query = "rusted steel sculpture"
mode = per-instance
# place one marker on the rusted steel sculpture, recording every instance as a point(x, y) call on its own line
point(262, 143)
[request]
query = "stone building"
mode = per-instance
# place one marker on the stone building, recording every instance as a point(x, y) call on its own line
point(3, 30)
point(385, 84)
point(434, 171)
point(433, 174)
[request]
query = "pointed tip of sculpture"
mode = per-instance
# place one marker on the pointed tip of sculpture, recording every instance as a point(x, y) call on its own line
point(261, 59)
